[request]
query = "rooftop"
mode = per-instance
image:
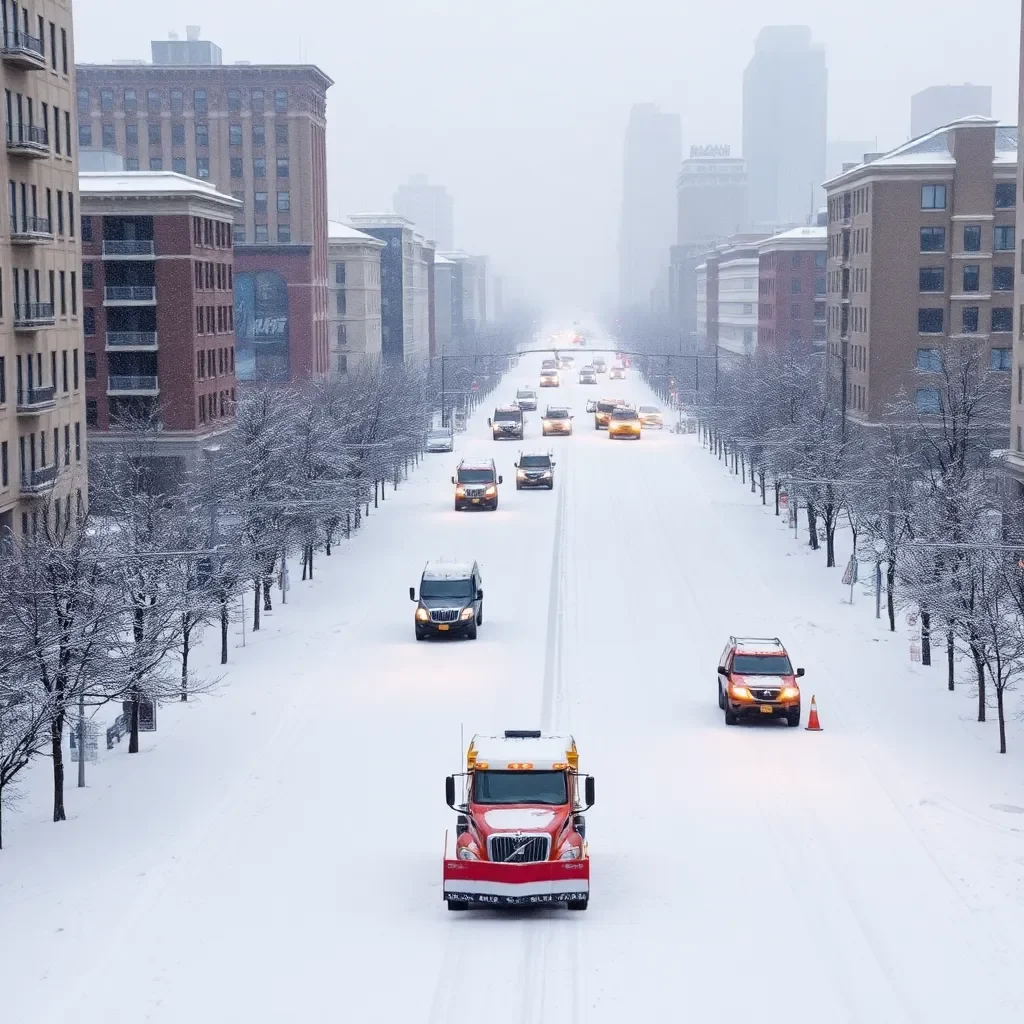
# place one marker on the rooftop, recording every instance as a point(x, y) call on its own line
point(149, 183)
point(337, 231)
point(379, 220)
point(199, 69)
point(796, 238)
point(541, 752)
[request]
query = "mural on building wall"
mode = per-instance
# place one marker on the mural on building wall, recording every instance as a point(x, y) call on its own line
point(261, 327)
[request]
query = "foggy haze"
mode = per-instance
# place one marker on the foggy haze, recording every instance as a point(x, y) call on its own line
point(520, 111)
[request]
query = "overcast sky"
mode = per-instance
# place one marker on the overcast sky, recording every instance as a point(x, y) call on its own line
point(520, 108)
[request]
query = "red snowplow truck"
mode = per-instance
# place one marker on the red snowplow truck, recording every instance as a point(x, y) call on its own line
point(521, 832)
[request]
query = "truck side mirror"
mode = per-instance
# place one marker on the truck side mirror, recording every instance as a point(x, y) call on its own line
point(799, 672)
point(516, 464)
point(412, 593)
point(488, 421)
point(449, 791)
point(588, 790)
point(722, 670)
point(453, 479)
point(480, 595)
point(500, 479)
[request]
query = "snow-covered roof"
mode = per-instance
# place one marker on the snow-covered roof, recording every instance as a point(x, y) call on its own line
point(442, 261)
point(476, 464)
point(541, 752)
point(339, 232)
point(442, 570)
point(379, 220)
point(932, 150)
point(811, 237)
point(149, 183)
point(535, 454)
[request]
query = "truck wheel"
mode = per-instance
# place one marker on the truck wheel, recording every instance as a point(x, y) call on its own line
point(519, 486)
point(471, 632)
point(730, 718)
point(721, 698)
point(457, 905)
point(480, 617)
point(419, 635)
point(551, 486)
point(793, 718)
point(578, 904)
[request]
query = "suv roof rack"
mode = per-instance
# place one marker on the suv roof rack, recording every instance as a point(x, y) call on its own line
point(755, 639)
point(522, 734)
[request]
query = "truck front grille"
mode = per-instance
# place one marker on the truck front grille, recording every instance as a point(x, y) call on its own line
point(766, 694)
point(518, 849)
point(444, 614)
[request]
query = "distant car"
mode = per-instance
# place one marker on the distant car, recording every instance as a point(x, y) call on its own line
point(549, 364)
point(599, 365)
point(507, 422)
point(756, 679)
point(557, 420)
point(476, 485)
point(588, 375)
point(650, 416)
point(549, 379)
point(617, 372)
point(526, 399)
point(440, 440)
point(624, 422)
point(603, 409)
point(535, 469)
point(566, 362)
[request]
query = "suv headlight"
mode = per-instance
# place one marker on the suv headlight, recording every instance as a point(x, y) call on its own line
point(467, 614)
point(491, 491)
point(521, 474)
point(546, 474)
point(460, 491)
point(422, 615)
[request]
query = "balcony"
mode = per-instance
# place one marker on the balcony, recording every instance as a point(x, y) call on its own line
point(31, 140)
point(31, 316)
point(136, 384)
point(128, 248)
point(35, 400)
point(20, 50)
point(129, 295)
point(30, 230)
point(34, 481)
point(131, 341)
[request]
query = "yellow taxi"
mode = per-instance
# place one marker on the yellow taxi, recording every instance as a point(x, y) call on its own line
point(624, 422)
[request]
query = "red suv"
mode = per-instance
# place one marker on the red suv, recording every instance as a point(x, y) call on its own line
point(756, 679)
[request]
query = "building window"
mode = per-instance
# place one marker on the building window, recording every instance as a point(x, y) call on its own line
point(90, 365)
point(819, 286)
point(177, 134)
point(969, 319)
point(153, 101)
point(1002, 279)
point(933, 239)
point(931, 279)
point(201, 364)
point(794, 311)
point(238, 234)
point(178, 165)
point(87, 272)
point(259, 167)
point(261, 233)
point(1001, 359)
point(259, 202)
point(281, 101)
point(88, 321)
point(284, 233)
point(933, 197)
point(234, 100)
point(1004, 238)
point(342, 304)
point(107, 136)
point(929, 321)
point(202, 167)
point(795, 285)
point(929, 360)
point(5, 468)
point(199, 101)
point(92, 414)
point(1006, 195)
point(972, 238)
point(177, 101)
point(259, 135)
point(281, 134)
point(3, 380)
point(154, 131)
point(927, 400)
point(131, 134)
point(339, 273)
point(256, 101)
point(84, 135)
point(202, 134)
point(106, 100)
point(284, 201)
point(83, 102)
point(156, 163)
point(131, 163)
point(820, 259)
point(67, 128)
point(1002, 319)
point(74, 369)
point(282, 167)
point(234, 134)
point(236, 167)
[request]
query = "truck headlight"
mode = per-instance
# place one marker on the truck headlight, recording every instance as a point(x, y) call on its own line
point(460, 492)
point(491, 491)
point(570, 853)
point(546, 475)
point(422, 615)
point(521, 475)
point(467, 614)
point(465, 853)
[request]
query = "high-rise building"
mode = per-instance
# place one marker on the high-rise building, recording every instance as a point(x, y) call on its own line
point(258, 133)
point(785, 93)
point(355, 298)
point(921, 244)
point(653, 152)
point(940, 105)
point(430, 209)
point(406, 284)
point(444, 284)
point(42, 385)
point(158, 311)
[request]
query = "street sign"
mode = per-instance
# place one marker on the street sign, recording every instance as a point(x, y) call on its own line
point(92, 741)
point(850, 576)
point(147, 716)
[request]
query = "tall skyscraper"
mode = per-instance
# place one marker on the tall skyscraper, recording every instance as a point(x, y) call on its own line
point(647, 228)
point(429, 207)
point(785, 93)
point(939, 105)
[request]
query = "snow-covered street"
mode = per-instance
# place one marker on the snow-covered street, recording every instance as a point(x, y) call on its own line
point(274, 853)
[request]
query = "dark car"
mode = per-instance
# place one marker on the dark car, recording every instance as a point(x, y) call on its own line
point(535, 469)
point(451, 600)
point(476, 486)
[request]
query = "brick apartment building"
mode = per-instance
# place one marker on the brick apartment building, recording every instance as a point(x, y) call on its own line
point(921, 244)
point(258, 133)
point(1015, 460)
point(791, 287)
point(42, 396)
point(158, 309)
point(727, 295)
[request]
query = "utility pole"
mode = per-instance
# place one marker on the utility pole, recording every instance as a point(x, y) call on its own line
point(444, 422)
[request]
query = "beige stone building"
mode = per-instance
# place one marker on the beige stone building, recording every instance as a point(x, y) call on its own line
point(354, 306)
point(921, 244)
point(42, 379)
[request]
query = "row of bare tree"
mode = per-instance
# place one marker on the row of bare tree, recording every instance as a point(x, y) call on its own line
point(106, 606)
point(923, 491)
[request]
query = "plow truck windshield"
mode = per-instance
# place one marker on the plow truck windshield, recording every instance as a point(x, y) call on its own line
point(529, 787)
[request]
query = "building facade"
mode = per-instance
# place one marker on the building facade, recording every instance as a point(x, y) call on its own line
point(737, 301)
point(1015, 460)
point(43, 448)
point(921, 245)
point(939, 105)
point(158, 311)
point(354, 298)
point(791, 299)
point(430, 209)
point(406, 283)
point(653, 152)
point(785, 95)
point(444, 284)
point(257, 132)
point(469, 294)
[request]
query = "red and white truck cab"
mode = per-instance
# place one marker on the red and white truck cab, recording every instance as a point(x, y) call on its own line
point(521, 832)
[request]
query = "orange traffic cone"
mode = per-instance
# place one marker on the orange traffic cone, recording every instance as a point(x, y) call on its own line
point(813, 725)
